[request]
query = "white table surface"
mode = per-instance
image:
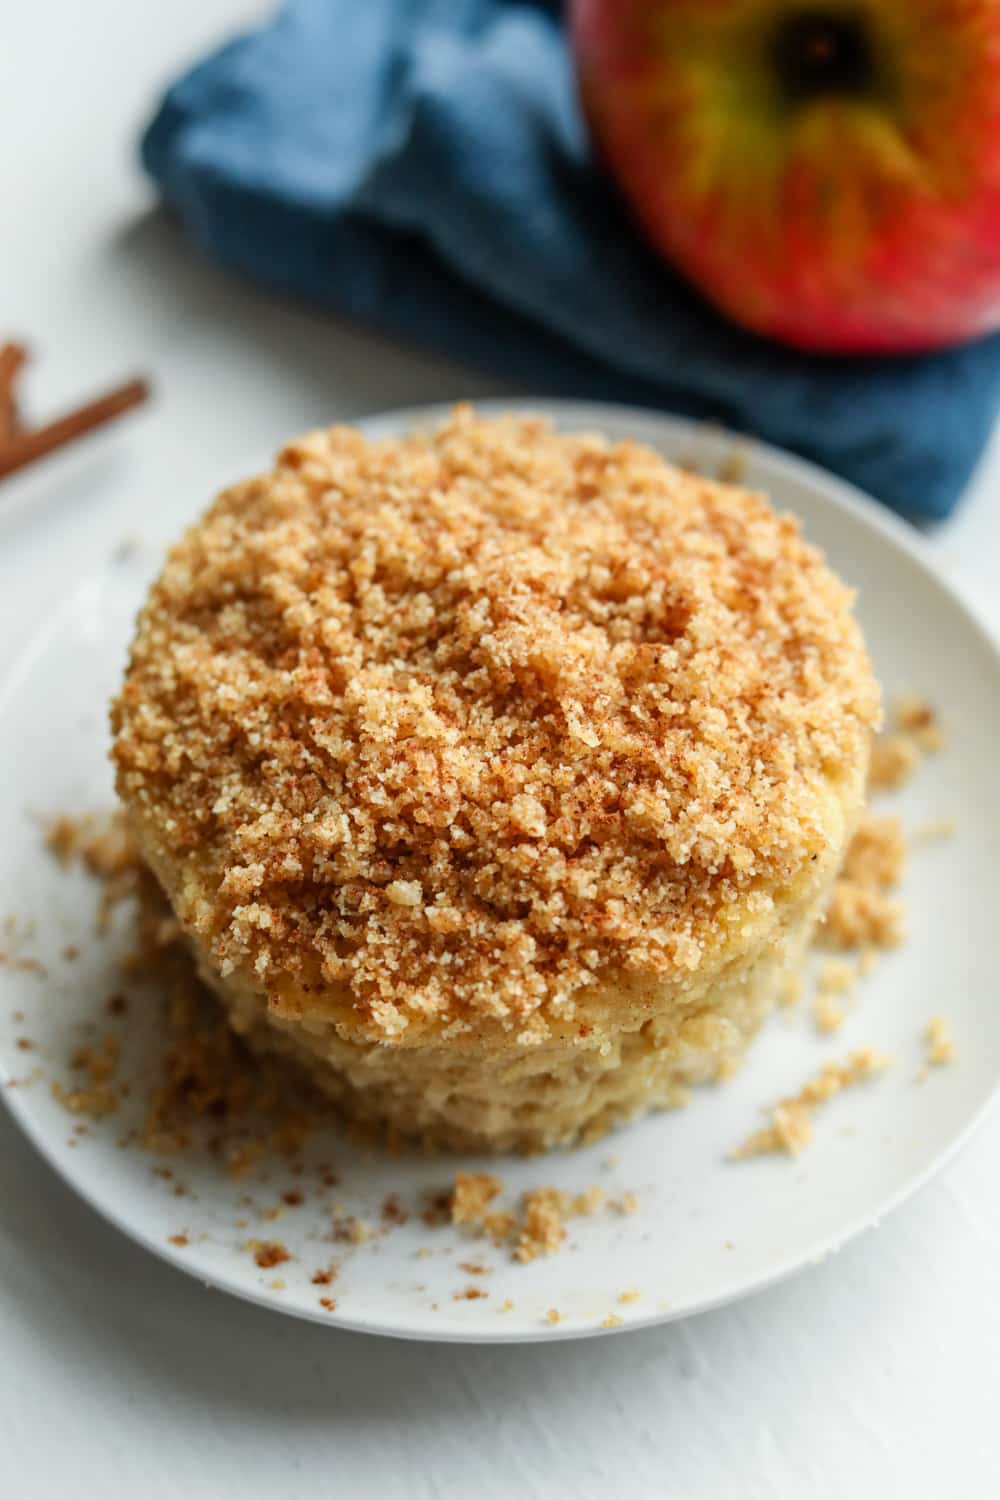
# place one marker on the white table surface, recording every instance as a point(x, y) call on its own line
point(873, 1374)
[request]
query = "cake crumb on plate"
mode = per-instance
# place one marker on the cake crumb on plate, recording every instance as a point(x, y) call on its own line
point(791, 1130)
point(940, 1041)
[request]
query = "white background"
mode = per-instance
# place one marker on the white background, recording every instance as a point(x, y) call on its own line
point(875, 1373)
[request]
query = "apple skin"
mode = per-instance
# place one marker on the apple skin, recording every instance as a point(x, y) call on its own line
point(826, 174)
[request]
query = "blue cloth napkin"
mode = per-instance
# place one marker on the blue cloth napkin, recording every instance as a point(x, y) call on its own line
point(424, 164)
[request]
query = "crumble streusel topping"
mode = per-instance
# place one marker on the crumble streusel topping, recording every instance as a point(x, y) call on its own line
point(461, 722)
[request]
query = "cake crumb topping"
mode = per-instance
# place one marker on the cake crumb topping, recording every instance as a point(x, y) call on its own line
point(453, 724)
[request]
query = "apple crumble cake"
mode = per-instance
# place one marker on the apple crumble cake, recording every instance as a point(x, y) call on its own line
point(496, 774)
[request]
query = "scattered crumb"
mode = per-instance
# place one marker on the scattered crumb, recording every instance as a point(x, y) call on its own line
point(470, 1196)
point(862, 913)
point(506, 1305)
point(269, 1253)
point(612, 1321)
point(293, 1198)
point(178, 1239)
point(278, 1284)
point(629, 1203)
point(470, 1294)
point(542, 1230)
point(499, 1226)
point(553, 1315)
point(473, 1268)
point(352, 1231)
point(106, 848)
point(630, 1296)
point(915, 716)
point(940, 1042)
point(324, 1277)
point(894, 759)
point(590, 1201)
point(71, 953)
point(896, 754)
point(100, 1097)
point(836, 977)
point(25, 1044)
point(393, 1211)
point(791, 1125)
point(328, 1303)
point(828, 1014)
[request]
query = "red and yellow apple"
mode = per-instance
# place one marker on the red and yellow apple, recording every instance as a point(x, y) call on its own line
point(826, 173)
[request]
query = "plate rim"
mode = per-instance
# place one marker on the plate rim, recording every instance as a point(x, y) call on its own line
point(829, 489)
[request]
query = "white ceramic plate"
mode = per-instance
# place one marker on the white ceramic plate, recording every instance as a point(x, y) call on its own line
point(705, 1230)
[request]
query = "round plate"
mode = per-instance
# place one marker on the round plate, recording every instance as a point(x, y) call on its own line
point(705, 1230)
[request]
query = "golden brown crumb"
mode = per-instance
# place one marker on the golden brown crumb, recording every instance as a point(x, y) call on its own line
point(828, 1015)
point(940, 1041)
point(350, 1230)
point(470, 718)
point(894, 759)
point(897, 753)
point(590, 1201)
point(179, 1239)
point(836, 977)
point(611, 1321)
point(470, 1294)
point(324, 1277)
point(100, 1096)
point(106, 847)
point(542, 1229)
point(791, 1125)
point(499, 1226)
point(471, 1195)
point(861, 911)
point(915, 716)
point(473, 1268)
point(270, 1253)
point(328, 1303)
point(553, 1315)
point(877, 853)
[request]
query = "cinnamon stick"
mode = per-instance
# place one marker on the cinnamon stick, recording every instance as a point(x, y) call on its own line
point(12, 357)
point(25, 447)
